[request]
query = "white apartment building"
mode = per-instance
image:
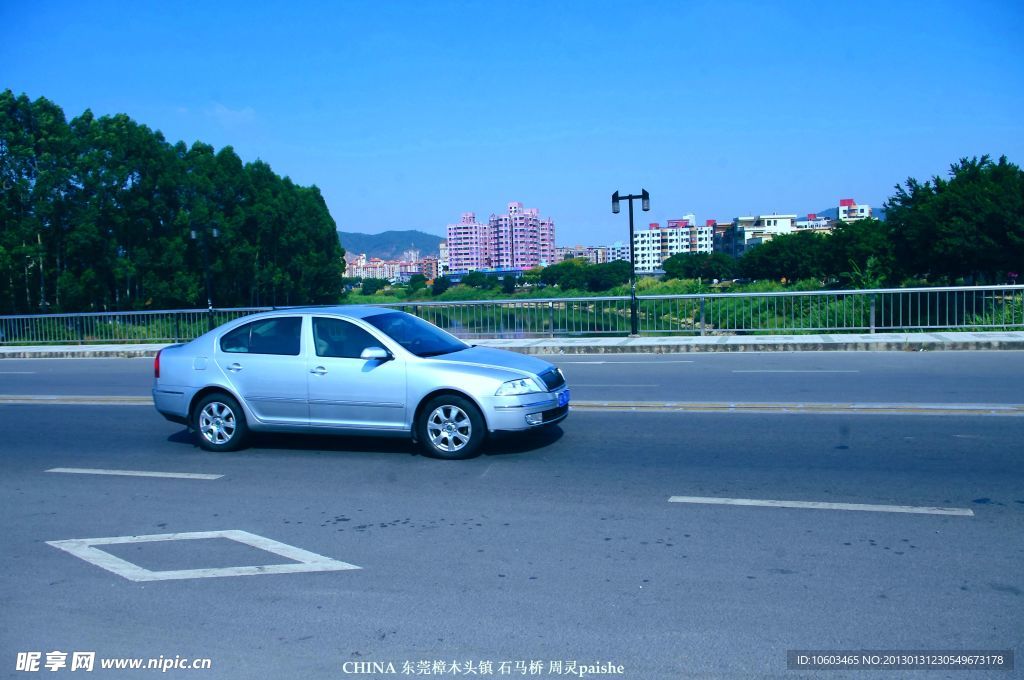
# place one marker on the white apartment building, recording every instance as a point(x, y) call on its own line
point(647, 247)
point(618, 251)
point(812, 222)
point(375, 268)
point(443, 264)
point(593, 254)
point(851, 211)
point(758, 229)
point(656, 244)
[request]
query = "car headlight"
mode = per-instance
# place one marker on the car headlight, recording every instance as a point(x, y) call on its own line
point(520, 386)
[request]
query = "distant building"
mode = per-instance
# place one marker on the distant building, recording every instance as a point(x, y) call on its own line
point(820, 225)
point(468, 244)
point(361, 267)
point(851, 211)
point(443, 264)
point(618, 251)
point(723, 237)
point(429, 267)
point(755, 230)
point(592, 254)
point(656, 244)
point(518, 240)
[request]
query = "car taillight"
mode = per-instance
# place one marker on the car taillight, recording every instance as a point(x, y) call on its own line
point(156, 364)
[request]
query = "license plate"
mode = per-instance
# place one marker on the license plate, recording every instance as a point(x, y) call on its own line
point(563, 398)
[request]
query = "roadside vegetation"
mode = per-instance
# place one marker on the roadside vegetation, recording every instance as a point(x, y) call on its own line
point(104, 214)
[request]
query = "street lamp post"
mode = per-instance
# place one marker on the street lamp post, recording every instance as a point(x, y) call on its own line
point(645, 205)
point(201, 237)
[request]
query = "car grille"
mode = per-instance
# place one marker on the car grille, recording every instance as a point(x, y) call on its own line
point(552, 379)
point(555, 413)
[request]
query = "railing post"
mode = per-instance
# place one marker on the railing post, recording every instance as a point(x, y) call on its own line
point(551, 317)
point(79, 331)
point(177, 327)
point(702, 316)
point(873, 297)
point(209, 318)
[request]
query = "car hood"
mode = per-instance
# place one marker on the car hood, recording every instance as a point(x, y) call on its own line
point(489, 357)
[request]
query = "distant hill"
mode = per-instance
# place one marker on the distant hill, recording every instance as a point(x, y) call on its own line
point(389, 245)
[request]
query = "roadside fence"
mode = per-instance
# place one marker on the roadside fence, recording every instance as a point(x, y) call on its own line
point(980, 308)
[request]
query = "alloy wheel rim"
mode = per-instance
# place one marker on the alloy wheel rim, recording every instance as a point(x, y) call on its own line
point(449, 428)
point(217, 423)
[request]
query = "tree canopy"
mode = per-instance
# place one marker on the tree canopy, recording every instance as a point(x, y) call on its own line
point(970, 226)
point(699, 266)
point(98, 214)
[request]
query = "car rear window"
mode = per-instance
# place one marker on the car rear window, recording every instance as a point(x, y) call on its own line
point(280, 335)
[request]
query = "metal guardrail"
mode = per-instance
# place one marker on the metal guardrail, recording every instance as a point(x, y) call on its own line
point(115, 327)
point(845, 311)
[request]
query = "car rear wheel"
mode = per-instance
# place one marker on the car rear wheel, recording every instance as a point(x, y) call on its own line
point(451, 427)
point(219, 423)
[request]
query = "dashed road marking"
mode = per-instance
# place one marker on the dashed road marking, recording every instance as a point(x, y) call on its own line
point(812, 505)
point(767, 370)
point(134, 473)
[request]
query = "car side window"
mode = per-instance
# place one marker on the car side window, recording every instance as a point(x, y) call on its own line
point(268, 336)
point(340, 339)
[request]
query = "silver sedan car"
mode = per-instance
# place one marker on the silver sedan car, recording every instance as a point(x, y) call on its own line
point(352, 370)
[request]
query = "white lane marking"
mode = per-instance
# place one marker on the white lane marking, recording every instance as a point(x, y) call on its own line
point(134, 473)
point(304, 561)
point(17, 372)
point(792, 371)
point(575, 385)
point(919, 510)
point(671, 361)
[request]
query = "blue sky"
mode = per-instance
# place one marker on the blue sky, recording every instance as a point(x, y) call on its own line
point(406, 114)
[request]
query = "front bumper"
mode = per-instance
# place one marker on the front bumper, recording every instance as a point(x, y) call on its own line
point(527, 411)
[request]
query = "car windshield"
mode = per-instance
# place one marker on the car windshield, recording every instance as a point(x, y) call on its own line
point(416, 335)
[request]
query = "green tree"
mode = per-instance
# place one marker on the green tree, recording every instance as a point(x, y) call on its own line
point(860, 254)
point(441, 284)
point(372, 286)
point(417, 282)
point(790, 256)
point(699, 266)
point(605, 276)
point(98, 213)
point(968, 226)
point(567, 275)
point(477, 280)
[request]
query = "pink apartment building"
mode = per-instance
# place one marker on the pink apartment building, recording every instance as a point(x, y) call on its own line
point(519, 239)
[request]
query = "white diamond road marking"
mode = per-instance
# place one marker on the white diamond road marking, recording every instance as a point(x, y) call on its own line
point(813, 505)
point(84, 548)
point(134, 473)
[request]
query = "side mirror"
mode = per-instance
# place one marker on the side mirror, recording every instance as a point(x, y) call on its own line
point(376, 354)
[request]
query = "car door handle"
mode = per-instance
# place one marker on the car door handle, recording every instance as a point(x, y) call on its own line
point(235, 368)
point(319, 370)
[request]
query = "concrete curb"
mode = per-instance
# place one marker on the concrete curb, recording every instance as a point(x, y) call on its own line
point(879, 342)
point(632, 406)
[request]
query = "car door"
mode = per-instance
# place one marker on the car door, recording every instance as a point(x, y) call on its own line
point(263, 361)
point(346, 391)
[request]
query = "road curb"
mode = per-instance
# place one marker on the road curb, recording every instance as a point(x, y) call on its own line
point(934, 342)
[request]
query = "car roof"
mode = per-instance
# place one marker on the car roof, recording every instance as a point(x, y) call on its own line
point(351, 311)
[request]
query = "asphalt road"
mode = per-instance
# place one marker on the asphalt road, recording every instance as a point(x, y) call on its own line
point(869, 377)
point(561, 546)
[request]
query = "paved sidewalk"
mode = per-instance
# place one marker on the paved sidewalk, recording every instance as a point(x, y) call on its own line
point(885, 342)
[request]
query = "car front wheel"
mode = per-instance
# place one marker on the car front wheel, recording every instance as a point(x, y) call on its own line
point(451, 427)
point(219, 423)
